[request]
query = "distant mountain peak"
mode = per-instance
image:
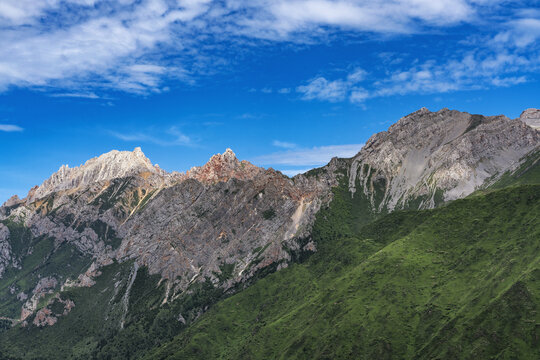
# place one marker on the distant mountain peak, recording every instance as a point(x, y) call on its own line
point(227, 157)
point(111, 165)
point(222, 167)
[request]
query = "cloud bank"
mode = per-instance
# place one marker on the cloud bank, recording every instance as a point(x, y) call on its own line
point(134, 46)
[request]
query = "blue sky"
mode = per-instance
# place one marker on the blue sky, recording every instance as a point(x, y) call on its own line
point(286, 84)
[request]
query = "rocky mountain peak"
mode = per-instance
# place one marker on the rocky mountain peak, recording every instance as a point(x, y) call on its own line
point(111, 165)
point(12, 201)
point(222, 167)
point(228, 157)
point(531, 117)
point(439, 156)
point(444, 118)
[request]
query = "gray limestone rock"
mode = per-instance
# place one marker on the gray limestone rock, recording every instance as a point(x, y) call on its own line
point(531, 117)
point(438, 156)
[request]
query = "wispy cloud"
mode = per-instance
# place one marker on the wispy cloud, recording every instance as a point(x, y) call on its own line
point(10, 128)
point(521, 32)
point(283, 144)
point(250, 116)
point(320, 88)
point(172, 137)
point(106, 48)
point(319, 155)
point(283, 19)
point(134, 45)
point(323, 89)
point(83, 95)
point(488, 67)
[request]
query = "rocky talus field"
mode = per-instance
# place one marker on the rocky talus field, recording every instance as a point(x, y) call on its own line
point(424, 245)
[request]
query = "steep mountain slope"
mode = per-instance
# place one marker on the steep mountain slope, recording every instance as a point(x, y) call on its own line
point(137, 254)
point(457, 282)
point(226, 219)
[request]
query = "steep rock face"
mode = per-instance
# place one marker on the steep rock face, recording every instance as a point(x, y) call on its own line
point(531, 117)
point(44, 286)
point(431, 157)
point(89, 216)
point(225, 214)
point(194, 229)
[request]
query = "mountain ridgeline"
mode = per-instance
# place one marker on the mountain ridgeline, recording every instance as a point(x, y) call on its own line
point(424, 245)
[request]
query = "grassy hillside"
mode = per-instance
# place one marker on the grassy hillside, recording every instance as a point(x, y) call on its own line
point(462, 281)
point(38, 257)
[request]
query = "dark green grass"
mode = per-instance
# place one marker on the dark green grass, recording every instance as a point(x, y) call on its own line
point(96, 311)
point(39, 257)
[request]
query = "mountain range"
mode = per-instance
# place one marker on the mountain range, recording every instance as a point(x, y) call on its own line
point(423, 245)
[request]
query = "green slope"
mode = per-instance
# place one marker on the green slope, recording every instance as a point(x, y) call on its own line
point(462, 281)
point(38, 257)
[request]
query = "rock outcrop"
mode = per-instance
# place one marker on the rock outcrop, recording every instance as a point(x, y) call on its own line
point(531, 117)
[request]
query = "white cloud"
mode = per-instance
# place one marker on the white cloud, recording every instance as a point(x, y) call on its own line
point(278, 19)
point(84, 95)
point(109, 48)
point(358, 75)
point(283, 144)
point(323, 89)
point(10, 128)
point(473, 71)
point(320, 88)
point(133, 45)
point(172, 137)
point(358, 95)
point(476, 69)
point(319, 155)
point(521, 33)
